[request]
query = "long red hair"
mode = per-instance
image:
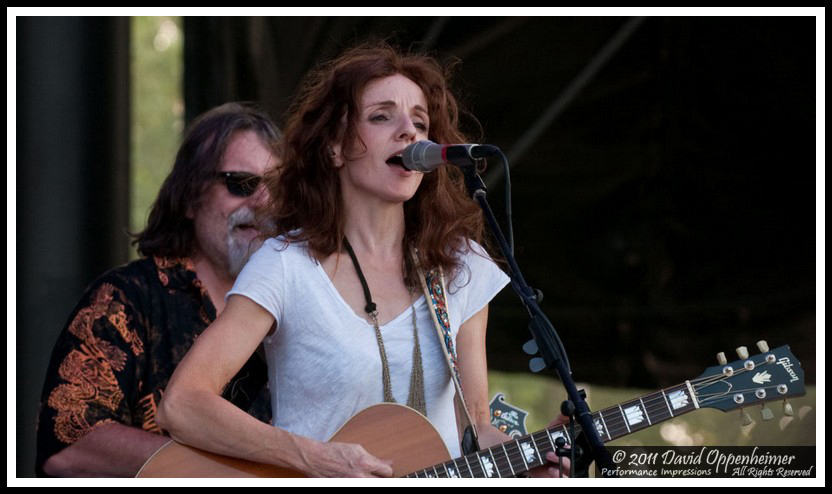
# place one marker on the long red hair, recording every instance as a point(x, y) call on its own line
point(440, 218)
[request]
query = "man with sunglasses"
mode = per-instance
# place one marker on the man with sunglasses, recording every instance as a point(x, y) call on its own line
point(134, 324)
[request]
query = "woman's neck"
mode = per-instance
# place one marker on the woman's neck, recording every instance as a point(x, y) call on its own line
point(377, 230)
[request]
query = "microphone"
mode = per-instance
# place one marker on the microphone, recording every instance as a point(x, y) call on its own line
point(426, 156)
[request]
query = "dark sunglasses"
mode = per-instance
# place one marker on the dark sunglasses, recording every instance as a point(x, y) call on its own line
point(240, 184)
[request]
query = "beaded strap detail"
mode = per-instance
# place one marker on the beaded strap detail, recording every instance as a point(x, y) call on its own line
point(436, 289)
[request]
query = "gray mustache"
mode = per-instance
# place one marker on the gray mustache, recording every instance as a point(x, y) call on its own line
point(246, 216)
point(243, 216)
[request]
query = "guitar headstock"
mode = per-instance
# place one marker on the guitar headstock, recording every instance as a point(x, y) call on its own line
point(507, 417)
point(772, 375)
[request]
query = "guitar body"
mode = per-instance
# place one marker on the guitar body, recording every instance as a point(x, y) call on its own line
point(387, 431)
point(403, 436)
point(175, 460)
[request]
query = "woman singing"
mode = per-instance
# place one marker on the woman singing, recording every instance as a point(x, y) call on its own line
point(336, 294)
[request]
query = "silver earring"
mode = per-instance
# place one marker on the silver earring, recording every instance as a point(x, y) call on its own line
point(332, 155)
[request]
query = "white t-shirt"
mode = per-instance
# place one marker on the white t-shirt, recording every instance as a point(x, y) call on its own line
point(324, 364)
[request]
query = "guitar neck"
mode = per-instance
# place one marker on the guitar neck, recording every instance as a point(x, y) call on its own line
point(645, 411)
point(522, 454)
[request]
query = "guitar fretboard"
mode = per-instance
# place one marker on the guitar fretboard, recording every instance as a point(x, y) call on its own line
point(525, 453)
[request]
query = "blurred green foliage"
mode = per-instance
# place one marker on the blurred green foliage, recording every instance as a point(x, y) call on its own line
point(542, 396)
point(157, 108)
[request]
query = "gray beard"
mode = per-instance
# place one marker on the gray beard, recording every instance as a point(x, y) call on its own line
point(238, 253)
point(239, 250)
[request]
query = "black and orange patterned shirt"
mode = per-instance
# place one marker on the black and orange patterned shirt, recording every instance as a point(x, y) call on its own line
point(123, 341)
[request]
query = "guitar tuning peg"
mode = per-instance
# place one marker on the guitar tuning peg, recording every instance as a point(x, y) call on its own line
point(530, 347)
point(766, 413)
point(745, 419)
point(720, 357)
point(762, 345)
point(742, 352)
point(537, 364)
point(787, 409)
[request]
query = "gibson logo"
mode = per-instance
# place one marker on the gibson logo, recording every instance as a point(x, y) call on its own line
point(761, 378)
point(787, 365)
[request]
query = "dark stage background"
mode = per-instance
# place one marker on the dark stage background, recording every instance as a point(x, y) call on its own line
point(663, 172)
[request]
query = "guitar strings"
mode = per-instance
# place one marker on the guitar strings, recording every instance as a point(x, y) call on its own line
point(616, 426)
point(504, 456)
point(657, 403)
point(653, 403)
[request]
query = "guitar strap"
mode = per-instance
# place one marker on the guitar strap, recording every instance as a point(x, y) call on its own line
point(433, 285)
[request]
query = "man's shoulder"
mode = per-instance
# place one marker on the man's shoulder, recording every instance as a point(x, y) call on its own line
point(125, 273)
point(144, 274)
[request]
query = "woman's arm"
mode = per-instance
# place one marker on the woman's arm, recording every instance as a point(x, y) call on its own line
point(473, 376)
point(194, 413)
point(473, 368)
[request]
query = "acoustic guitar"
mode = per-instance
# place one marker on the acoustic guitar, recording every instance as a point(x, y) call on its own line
point(398, 433)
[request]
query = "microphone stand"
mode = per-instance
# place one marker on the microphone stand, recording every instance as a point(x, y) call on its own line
point(551, 349)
